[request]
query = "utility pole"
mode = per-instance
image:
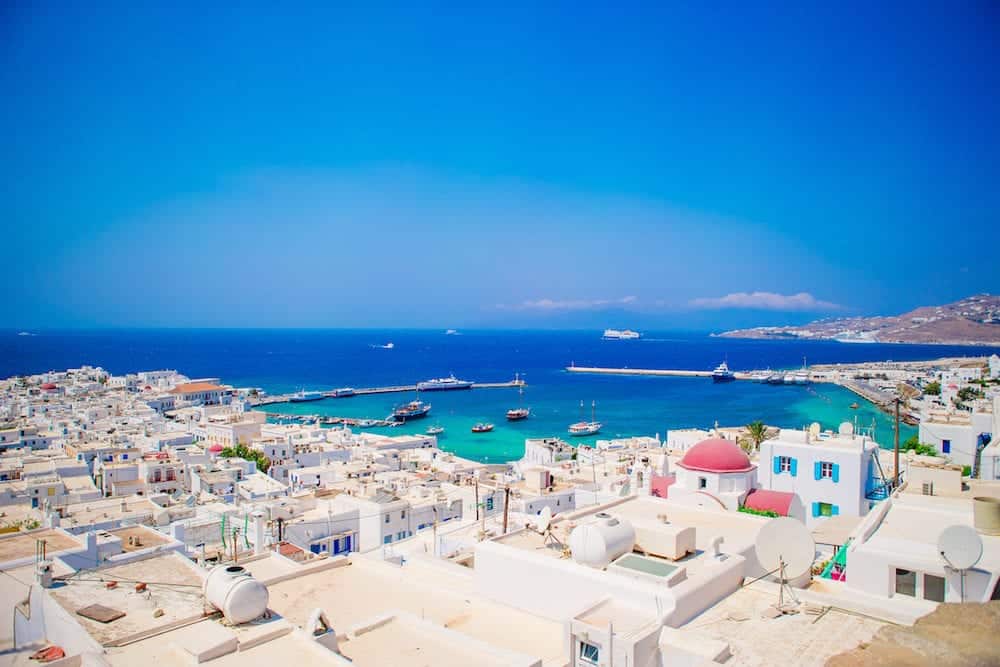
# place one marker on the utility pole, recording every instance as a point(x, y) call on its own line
point(506, 508)
point(895, 451)
point(477, 500)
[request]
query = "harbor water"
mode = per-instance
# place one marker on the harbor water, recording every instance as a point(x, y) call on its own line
point(282, 361)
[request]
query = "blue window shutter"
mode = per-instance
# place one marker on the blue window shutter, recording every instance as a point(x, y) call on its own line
point(777, 465)
point(815, 509)
point(834, 510)
point(836, 473)
point(795, 467)
point(817, 470)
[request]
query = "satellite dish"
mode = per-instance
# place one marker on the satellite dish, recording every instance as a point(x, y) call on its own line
point(846, 428)
point(787, 544)
point(544, 519)
point(960, 546)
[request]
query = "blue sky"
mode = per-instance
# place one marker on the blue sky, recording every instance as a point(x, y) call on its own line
point(567, 165)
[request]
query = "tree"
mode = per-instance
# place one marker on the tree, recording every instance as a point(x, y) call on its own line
point(756, 433)
point(932, 388)
point(922, 448)
point(241, 451)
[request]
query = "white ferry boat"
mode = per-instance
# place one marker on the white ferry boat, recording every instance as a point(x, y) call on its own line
point(620, 334)
point(442, 384)
point(304, 396)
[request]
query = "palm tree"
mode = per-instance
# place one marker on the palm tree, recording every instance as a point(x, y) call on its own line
point(757, 433)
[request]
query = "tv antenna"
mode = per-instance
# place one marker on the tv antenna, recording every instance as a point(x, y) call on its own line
point(960, 547)
point(786, 547)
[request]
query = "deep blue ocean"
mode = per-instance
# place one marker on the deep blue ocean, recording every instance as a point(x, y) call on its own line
point(286, 360)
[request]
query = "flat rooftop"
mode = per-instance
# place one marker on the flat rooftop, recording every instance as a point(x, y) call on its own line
point(23, 545)
point(444, 595)
point(800, 639)
point(173, 585)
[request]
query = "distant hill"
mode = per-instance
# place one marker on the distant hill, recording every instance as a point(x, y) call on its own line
point(972, 321)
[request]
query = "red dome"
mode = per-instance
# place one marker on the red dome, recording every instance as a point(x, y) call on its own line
point(216, 448)
point(716, 455)
point(48, 386)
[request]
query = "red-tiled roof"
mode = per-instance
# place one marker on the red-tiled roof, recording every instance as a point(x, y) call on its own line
point(774, 501)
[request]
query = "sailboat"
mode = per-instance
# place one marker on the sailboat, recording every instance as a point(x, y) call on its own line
point(520, 412)
point(584, 427)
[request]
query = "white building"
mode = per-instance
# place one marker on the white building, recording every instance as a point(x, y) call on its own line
point(831, 474)
point(956, 433)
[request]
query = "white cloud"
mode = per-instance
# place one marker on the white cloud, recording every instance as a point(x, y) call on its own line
point(569, 304)
point(766, 301)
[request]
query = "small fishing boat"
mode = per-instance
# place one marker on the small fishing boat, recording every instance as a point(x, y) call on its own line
point(854, 406)
point(435, 430)
point(482, 427)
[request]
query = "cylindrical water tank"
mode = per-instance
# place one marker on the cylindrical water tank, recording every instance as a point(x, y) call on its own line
point(986, 515)
point(602, 540)
point(233, 591)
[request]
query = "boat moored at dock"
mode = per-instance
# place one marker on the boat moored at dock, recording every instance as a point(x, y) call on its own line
point(343, 392)
point(305, 396)
point(444, 384)
point(722, 373)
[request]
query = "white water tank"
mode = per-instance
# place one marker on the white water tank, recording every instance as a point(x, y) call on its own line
point(602, 540)
point(233, 591)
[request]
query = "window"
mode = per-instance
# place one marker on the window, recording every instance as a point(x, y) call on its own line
point(702, 483)
point(401, 535)
point(927, 488)
point(826, 470)
point(489, 504)
point(784, 464)
point(906, 582)
point(387, 539)
point(589, 653)
point(946, 446)
point(402, 515)
point(933, 588)
point(387, 518)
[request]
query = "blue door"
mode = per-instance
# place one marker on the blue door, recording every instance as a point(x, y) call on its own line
point(314, 548)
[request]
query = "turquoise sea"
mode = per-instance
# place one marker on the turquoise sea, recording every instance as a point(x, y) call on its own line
point(284, 360)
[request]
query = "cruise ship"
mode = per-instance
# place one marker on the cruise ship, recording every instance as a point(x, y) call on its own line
point(722, 373)
point(304, 396)
point(623, 334)
point(442, 384)
point(412, 410)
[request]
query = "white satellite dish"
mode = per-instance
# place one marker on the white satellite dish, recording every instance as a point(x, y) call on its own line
point(544, 519)
point(786, 547)
point(960, 546)
point(846, 428)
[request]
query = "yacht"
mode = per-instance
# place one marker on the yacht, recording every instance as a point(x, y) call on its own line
point(620, 334)
point(451, 332)
point(775, 378)
point(584, 427)
point(412, 410)
point(304, 396)
point(722, 373)
point(442, 384)
point(482, 428)
point(387, 346)
point(435, 430)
